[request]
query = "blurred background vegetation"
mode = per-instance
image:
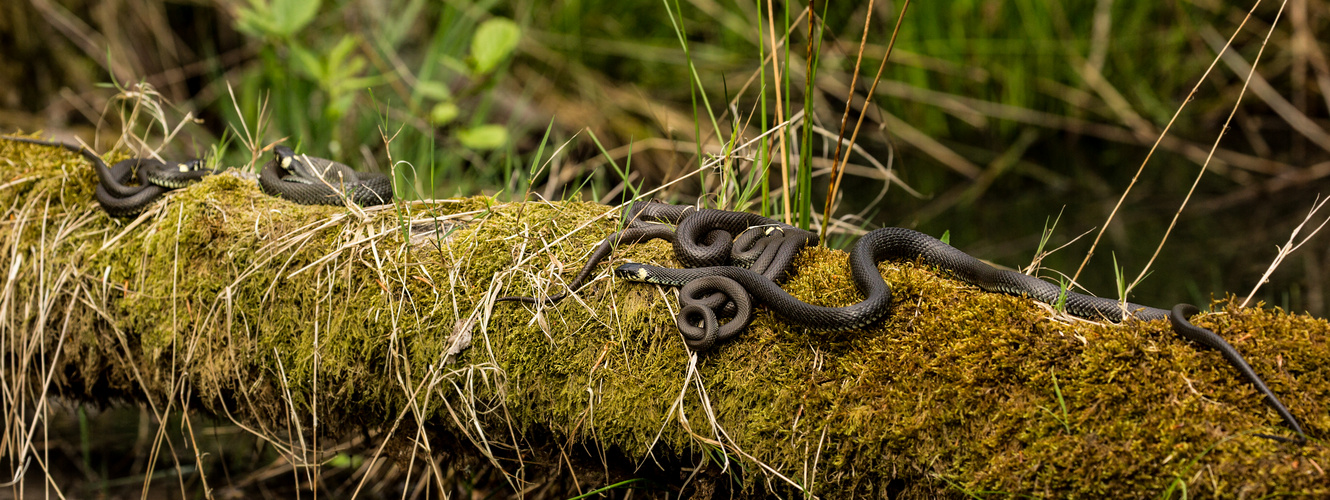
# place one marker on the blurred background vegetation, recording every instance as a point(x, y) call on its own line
point(992, 118)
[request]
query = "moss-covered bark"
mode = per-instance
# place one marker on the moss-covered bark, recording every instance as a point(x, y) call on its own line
point(258, 309)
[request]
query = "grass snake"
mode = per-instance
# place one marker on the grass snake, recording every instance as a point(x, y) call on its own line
point(764, 245)
point(116, 193)
point(309, 180)
point(899, 243)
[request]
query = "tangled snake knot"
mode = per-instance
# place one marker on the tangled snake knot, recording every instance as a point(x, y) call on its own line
point(711, 292)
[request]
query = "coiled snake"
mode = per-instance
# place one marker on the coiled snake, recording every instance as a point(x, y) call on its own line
point(308, 180)
point(899, 243)
point(115, 193)
point(764, 246)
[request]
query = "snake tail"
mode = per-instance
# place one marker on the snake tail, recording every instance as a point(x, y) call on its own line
point(904, 244)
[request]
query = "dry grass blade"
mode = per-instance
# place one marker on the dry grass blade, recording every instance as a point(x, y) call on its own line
point(838, 172)
point(930, 146)
point(1137, 176)
point(376, 458)
point(973, 110)
point(845, 117)
point(1236, 102)
point(780, 114)
point(78, 31)
point(1289, 247)
point(880, 171)
point(1259, 86)
point(247, 138)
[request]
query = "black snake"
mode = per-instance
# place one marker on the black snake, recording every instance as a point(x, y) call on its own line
point(308, 180)
point(698, 316)
point(300, 178)
point(115, 193)
point(765, 246)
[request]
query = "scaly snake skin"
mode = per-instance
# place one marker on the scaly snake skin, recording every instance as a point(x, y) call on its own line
point(308, 180)
point(899, 243)
point(764, 245)
point(113, 192)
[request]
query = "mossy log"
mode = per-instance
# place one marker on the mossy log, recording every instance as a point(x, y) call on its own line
point(252, 308)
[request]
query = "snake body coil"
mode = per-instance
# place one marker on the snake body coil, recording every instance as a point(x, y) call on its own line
point(308, 180)
point(899, 243)
point(115, 193)
point(764, 245)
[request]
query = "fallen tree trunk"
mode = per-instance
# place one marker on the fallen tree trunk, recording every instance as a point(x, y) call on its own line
point(313, 322)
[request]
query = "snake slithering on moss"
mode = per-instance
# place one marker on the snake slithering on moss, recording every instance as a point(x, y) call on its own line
point(899, 243)
point(115, 193)
point(308, 180)
point(763, 245)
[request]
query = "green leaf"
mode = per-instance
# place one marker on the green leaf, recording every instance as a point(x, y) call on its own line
point(343, 66)
point(308, 64)
point(493, 42)
point(1061, 304)
point(352, 67)
point(434, 90)
point(290, 16)
point(281, 18)
point(339, 53)
point(484, 137)
point(443, 113)
point(255, 20)
point(342, 460)
point(338, 106)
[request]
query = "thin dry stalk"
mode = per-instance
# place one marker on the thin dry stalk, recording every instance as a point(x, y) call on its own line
point(838, 172)
point(722, 440)
point(377, 457)
point(845, 117)
point(1237, 102)
point(1163, 133)
point(780, 114)
point(248, 139)
point(1291, 113)
point(1289, 247)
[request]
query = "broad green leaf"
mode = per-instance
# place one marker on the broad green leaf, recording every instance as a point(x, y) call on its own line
point(443, 113)
point(343, 460)
point(281, 18)
point(434, 90)
point(250, 23)
point(360, 83)
point(290, 16)
point(255, 20)
point(484, 137)
point(493, 42)
point(351, 67)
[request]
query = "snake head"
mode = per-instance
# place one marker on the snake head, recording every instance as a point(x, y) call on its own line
point(632, 271)
point(194, 165)
point(286, 158)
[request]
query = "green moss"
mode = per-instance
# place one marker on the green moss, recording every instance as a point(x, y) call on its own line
point(248, 299)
